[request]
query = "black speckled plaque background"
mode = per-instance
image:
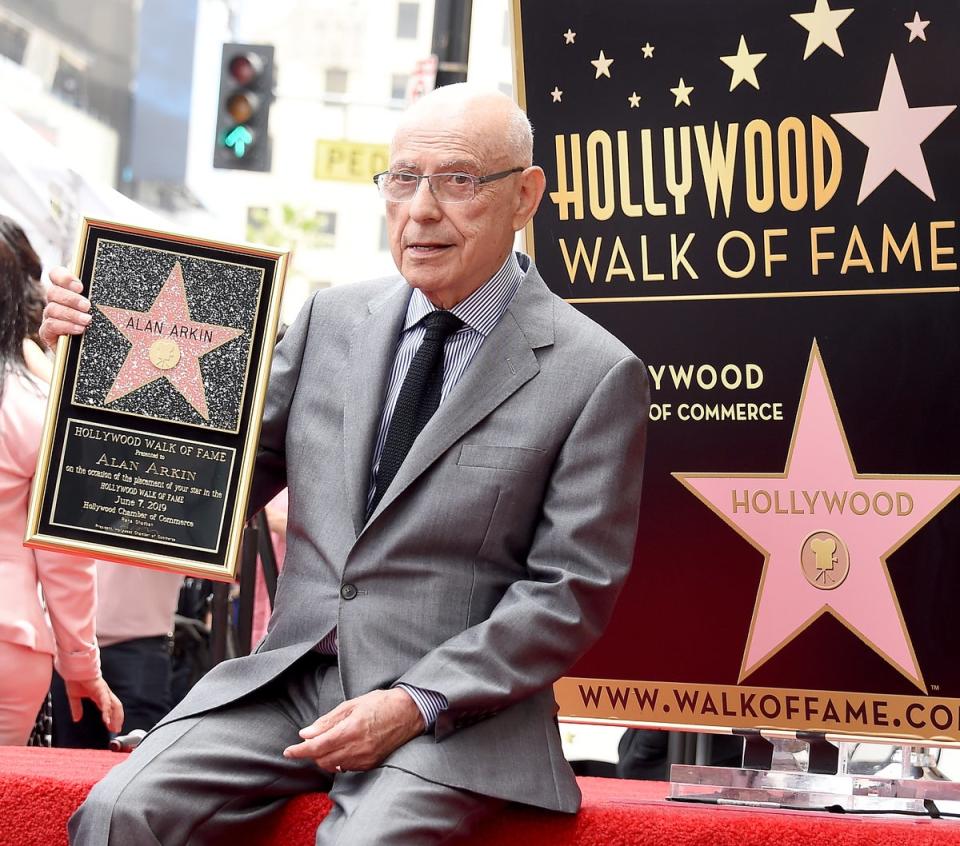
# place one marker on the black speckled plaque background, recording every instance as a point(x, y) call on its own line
point(223, 293)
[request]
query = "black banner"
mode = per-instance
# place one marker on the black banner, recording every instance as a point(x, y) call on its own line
point(761, 201)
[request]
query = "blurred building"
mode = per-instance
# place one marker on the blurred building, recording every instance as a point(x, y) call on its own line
point(128, 90)
point(342, 73)
point(66, 68)
point(491, 45)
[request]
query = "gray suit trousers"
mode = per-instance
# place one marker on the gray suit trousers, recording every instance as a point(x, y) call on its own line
point(210, 779)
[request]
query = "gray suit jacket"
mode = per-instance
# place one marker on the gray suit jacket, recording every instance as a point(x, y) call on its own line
point(493, 560)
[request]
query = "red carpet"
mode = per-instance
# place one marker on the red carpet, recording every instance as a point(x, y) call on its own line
point(40, 788)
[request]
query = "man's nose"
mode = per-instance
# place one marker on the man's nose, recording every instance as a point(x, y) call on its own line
point(423, 205)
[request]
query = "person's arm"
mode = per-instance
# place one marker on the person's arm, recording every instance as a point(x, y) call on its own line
point(68, 581)
point(270, 475)
point(580, 556)
point(69, 588)
point(36, 360)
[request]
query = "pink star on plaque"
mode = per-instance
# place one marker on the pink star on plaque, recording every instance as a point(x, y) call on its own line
point(893, 133)
point(825, 531)
point(166, 343)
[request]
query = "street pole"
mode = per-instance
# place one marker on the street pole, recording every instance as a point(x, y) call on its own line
point(451, 39)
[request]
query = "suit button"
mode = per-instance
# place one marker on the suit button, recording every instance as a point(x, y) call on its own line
point(348, 591)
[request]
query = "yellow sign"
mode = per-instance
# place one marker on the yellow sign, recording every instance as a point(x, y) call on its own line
point(350, 161)
point(661, 703)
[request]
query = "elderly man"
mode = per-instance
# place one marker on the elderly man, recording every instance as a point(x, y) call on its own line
point(463, 453)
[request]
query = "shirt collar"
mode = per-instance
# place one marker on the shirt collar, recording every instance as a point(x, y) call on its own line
point(483, 308)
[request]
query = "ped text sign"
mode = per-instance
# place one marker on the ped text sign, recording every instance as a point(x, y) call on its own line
point(349, 161)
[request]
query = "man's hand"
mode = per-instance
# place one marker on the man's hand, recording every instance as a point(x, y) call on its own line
point(66, 312)
point(99, 692)
point(361, 732)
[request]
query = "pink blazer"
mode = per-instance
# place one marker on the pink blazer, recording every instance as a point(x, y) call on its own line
point(68, 581)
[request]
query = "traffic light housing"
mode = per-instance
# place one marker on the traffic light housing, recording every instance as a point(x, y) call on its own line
point(243, 108)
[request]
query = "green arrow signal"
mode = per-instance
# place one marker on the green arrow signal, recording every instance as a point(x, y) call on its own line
point(238, 138)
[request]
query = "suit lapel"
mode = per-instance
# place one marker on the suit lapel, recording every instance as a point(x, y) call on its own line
point(504, 362)
point(372, 350)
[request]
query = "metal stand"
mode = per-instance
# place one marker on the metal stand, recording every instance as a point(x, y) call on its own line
point(824, 784)
point(256, 540)
point(248, 585)
point(219, 622)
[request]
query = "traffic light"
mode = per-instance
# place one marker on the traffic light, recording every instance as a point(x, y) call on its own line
point(243, 110)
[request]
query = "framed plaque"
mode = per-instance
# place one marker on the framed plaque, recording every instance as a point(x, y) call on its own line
point(154, 414)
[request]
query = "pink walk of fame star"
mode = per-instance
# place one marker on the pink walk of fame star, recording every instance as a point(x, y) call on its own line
point(893, 133)
point(166, 343)
point(821, 508)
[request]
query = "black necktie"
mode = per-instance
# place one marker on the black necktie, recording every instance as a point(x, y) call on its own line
point(419, 398)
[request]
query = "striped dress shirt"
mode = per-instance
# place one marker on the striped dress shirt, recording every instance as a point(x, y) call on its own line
point(479, 313)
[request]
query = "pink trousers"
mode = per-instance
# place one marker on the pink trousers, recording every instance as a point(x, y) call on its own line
point(24, 680)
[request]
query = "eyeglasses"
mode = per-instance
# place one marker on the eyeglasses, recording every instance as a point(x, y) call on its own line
point(401, 186)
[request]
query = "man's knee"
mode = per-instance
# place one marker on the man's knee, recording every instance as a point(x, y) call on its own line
point(120, 808)
point(112, 814)
point(387, 805)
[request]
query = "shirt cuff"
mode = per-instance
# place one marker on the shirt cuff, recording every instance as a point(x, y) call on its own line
point(73, 666)
point(430, 703)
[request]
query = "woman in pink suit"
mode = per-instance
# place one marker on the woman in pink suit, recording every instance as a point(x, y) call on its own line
point(30, 639)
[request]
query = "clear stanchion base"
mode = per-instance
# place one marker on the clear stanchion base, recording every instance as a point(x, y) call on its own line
point(812, 791)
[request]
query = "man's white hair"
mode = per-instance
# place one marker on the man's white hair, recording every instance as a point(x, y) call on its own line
point(519, 131)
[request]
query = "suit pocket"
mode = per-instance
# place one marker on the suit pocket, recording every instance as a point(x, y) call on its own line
point(517, 459)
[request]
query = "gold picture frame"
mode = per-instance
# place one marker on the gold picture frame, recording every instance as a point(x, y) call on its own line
point(153, 420)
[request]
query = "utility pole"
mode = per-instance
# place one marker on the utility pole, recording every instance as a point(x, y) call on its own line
point(451, 39)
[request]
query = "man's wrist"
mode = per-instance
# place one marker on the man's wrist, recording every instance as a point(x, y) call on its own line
point(429, 703)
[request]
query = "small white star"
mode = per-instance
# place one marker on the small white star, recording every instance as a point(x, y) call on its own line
point(744, 65)
point(602, 65)
point(570, 36)
point(634, 100)
point(917, 27)
point(556, 94)
point(647, 50)
point(682, 93)
point(821, 25)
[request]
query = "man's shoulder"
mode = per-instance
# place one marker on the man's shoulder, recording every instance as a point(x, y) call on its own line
point(353, 300)
point(577, 334)
point(366, 292)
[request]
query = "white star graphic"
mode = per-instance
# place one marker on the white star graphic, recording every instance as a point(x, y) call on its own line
point(917, 27)
point(557, 94)
point(634, 100)
point(647, 50)
point(602, 65)
point(682, 93)
point(821, 25)
point(570, 36)
point(744, 65)
point(894, 133)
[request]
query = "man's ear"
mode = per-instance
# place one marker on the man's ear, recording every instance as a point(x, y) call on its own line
point(533, 183)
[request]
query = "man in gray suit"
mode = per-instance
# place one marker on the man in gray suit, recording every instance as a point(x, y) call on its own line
point(443, 569)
